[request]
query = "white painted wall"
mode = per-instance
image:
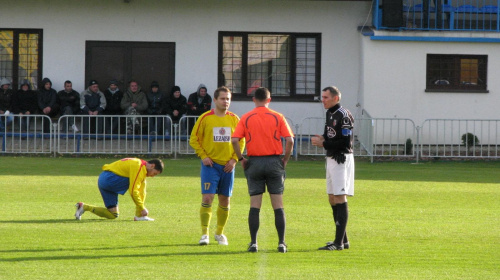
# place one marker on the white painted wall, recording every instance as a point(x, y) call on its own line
point(395, 74)
point(193, 26)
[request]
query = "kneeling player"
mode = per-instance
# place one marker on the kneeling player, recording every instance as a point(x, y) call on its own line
point(118, 177)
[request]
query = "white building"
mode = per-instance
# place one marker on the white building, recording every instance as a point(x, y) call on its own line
point(383, 73)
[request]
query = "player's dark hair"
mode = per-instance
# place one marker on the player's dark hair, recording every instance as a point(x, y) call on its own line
point(262, 94)
point(158, 164)
point(221, 89)
point(334, 91)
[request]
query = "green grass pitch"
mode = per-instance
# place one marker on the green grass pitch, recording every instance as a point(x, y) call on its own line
point(436, 220)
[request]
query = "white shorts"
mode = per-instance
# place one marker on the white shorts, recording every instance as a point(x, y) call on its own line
point(340, 177)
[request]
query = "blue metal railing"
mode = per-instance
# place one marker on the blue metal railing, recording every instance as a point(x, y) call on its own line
point(451, 15)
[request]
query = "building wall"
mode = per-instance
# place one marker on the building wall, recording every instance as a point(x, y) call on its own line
point(394, 81)
point(193, 26)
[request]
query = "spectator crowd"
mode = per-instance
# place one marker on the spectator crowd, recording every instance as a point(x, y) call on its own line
point(113, 102)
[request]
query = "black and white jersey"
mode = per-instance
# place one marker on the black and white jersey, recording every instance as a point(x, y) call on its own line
point(338, 132)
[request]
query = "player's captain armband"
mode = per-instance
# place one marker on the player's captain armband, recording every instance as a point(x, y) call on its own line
point(346, 132)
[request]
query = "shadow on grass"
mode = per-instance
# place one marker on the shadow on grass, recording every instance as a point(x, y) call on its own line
point(61, 221)
point(88, 257)
point(140, 247)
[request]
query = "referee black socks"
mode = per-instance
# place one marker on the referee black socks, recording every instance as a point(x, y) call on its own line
point(280, 222)
point(253, 223)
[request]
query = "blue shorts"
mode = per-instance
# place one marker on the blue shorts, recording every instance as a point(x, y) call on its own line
point(215, 181)
point(110, 185)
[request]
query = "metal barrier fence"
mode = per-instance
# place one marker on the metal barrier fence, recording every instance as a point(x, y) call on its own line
point(309, 127)
point(460, 138)
point(148, 134)
point(26, 134)
point(393, 137)
point(186, 124)
point(138, 134)
point(375, 137)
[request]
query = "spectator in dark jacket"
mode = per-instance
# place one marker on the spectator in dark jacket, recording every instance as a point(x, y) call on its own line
point(92, 103)
point(69, 102)
point(24, 102)
point(47, 103)
point(113, 108)
point(198, 103)
point(5, 102)
point(156, 101)
point(176, 108)
point(134, 102)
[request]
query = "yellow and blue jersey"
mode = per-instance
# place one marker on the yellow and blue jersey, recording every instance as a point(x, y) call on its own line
point(211, 137)
point(135, 170)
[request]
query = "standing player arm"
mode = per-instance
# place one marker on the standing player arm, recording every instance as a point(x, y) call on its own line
point(288, 149)
point(237, 147)
point(195, 139)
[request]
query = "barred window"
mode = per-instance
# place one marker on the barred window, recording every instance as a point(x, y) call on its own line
point(287, 64)
point(20, 55)
point(465, 73)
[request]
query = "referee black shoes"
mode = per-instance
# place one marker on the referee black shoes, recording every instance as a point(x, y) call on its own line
point(252, 247)
point(332, 247)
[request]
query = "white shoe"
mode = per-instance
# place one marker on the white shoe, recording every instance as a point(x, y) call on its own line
point(79, 210)
point(143, 218)
point(75, 129)
point(222, 239)
point(204, 240)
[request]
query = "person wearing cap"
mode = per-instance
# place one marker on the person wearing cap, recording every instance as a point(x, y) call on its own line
point(175, 108)
point(114, 97)
point(5, 102)
point(69, 102)
point(92, 103)
point(134, 102)
point(24, 103)
point(47, 103)
point(156, 100)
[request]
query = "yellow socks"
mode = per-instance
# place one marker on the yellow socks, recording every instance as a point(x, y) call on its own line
point(205, 216)
point(222, 216)
point(100, 211)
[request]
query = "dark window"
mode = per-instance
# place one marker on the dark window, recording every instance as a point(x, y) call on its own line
point(457, 72)
point(288, 64)
point(21, 55)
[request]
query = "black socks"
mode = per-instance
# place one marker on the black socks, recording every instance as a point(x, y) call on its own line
point(280, 222)
point(254, 223)
point(340, 216)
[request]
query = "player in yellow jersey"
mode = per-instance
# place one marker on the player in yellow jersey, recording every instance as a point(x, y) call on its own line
point(118, 177)
point(211, 139)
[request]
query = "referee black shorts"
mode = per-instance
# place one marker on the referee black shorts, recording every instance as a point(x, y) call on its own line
point(265, 170)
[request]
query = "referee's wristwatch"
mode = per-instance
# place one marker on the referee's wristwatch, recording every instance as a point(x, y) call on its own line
point(241, 158)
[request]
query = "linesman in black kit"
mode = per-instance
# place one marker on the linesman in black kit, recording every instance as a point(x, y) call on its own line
point(337, 140)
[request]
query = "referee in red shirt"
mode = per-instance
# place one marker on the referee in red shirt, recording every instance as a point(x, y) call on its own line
point(263, 129)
